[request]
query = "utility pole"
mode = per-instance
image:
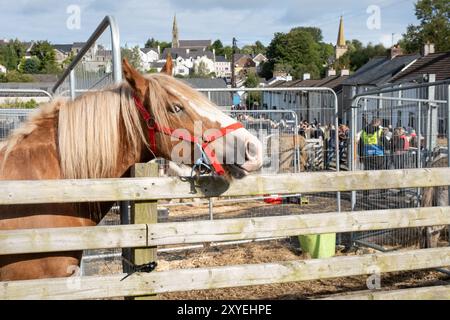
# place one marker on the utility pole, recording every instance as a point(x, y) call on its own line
point(233, 76)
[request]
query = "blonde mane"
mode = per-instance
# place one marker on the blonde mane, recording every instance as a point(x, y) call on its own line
point(89, 136)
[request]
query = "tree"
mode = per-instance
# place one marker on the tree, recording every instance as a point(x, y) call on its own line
point(434, 27)
point(133, 56)
point(297, 49)
point(11, 54)
point(43, 51)
point(252, 80)
point(358, 55)
point(30, 66)
point(201, 70)
point(152, 43)
point(254, 49)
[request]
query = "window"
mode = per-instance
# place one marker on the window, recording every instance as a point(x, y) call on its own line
point(399, 118)
point(412, 120)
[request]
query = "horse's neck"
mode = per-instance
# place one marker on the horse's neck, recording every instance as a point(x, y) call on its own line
point(34, 156)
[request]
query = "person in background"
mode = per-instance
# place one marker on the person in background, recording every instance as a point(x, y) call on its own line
point(400, 147)
point(372, 145)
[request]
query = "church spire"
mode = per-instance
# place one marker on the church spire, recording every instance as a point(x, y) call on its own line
point(341, 46)
point(175, 43)
point(341, 37)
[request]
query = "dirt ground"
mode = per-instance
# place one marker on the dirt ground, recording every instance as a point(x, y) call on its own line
point(272, 251)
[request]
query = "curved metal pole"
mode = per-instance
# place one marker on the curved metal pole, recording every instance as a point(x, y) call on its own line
point(48, 94)
point(108, 21)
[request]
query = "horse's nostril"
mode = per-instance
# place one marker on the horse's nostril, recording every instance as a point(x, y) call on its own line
point(251, 150)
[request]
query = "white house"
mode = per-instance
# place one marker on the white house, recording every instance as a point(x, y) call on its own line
point(259, 59)
point(222, 67)
point(148, 56)
point(2, 69)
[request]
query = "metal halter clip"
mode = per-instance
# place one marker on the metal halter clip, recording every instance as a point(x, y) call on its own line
point(201, 165)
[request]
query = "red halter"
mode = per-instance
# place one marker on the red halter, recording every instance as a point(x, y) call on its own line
point(154, 127)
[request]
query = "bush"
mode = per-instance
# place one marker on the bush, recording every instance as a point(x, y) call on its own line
point(16, 104)
point(15, 76)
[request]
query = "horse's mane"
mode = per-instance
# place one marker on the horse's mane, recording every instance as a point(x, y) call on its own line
point(89, 138)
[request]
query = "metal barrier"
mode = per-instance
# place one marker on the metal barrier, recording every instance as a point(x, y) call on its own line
point(415, 130)
point(95, 65)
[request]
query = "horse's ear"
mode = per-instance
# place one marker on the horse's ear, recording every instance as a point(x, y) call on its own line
point(168, 67)
point(134, 78)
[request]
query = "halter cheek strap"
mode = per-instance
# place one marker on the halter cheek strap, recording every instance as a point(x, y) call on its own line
point(154, 127)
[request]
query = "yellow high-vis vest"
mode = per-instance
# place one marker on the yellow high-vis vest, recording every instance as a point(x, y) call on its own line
point(371, 139)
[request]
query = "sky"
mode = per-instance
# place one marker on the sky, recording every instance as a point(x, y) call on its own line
point(67, 21)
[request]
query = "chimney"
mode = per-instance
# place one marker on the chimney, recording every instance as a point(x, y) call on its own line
point(214, 53)
point(159, 49)
point(396, 51)
point(428, 48)
point(345, 72)
point(288, 77)
point(306, 76)
point(331, 72)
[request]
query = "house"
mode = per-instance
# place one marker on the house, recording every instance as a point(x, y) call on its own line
point(243, 66)
point(222, 99)
point(375, 74)
point(62, 52)
point(148, 55)
point(429, 68)
point(185, 58)
point(222, 67)
point(196, 45)
point(309, 105)
point(259, 59)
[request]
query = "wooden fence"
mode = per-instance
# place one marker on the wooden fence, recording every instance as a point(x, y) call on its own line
point(150, 235)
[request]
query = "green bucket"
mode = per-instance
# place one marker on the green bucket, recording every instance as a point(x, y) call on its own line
point(319, 245)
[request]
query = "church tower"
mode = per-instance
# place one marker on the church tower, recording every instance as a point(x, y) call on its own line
point(175, 42)
point(341, 47)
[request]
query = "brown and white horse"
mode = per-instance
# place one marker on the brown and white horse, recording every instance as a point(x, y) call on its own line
point(101, 135)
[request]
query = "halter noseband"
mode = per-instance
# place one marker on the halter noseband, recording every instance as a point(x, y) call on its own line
point(208, 157)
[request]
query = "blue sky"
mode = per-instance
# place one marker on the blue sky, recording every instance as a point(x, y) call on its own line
point(247, 20)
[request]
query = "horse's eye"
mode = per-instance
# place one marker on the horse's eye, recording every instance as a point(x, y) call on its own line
point(176, 108)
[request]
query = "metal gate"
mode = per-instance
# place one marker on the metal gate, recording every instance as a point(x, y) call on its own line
point(410, 127)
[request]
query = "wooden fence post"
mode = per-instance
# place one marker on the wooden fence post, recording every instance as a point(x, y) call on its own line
point(144, 212)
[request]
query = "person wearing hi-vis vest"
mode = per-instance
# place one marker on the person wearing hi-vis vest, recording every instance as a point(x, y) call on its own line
point(372, 146)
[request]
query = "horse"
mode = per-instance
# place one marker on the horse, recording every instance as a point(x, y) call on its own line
point(102, 134)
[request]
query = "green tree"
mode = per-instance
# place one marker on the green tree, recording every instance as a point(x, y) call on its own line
point(30, 66)
point(43, 50)
point(252, 80)
point(153, 43)
point(11, 54)
point(218, 47)
point(297, 49)
point(358, 55)
point(133, 56)
point(434, 26)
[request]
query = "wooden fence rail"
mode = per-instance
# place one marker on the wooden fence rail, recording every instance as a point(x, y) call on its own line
point(221, 277)
point(138, 189)
point(148, 235)
point(424, 293)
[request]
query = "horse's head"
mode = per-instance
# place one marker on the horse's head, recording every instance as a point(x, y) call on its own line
point(182, 125)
